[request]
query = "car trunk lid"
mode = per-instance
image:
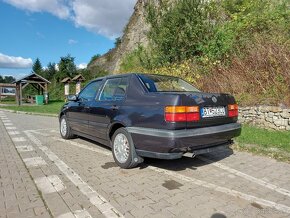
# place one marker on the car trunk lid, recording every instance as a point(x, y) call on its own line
point(213, 108)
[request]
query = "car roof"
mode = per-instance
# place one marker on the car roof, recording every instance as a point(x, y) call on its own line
point(114, 75)
point(125, 74)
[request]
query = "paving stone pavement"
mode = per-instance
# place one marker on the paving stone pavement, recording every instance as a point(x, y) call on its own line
point(78, 178)
point(19, 197)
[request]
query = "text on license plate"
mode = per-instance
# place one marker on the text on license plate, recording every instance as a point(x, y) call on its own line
point(213, 112)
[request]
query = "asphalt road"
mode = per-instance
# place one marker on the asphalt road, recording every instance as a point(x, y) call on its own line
point(46, 176)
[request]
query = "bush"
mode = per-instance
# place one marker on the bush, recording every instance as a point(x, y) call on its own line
point(177, 32)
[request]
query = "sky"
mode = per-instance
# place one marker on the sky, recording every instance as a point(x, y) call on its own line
point(50, 29)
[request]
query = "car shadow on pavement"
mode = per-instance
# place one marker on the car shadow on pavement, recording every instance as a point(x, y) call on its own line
point(183, 163)
point(186, 162)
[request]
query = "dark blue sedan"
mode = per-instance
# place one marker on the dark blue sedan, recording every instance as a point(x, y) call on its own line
point(144, 115)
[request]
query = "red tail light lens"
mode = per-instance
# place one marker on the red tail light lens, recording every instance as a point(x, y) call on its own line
point(181, 113)
point(192, 117)
point(176, 117)
point(233, 110)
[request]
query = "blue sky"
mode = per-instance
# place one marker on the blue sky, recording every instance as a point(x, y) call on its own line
point(50, 29)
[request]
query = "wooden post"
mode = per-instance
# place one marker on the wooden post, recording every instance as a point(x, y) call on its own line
point(66, 89)
point(0, 92)
point(45, 93)
point(17, 94)
point(20, 95)
point(78, 87)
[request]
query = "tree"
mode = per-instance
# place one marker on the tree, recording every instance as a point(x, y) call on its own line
point(94, 58)
point(177, 31)
point(67, 67)
point(50, 71)
point(7, 79)
point(37, 67)
point(117, 42)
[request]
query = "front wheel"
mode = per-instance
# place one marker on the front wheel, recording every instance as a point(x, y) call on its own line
point(123, 149)
point(64, 128)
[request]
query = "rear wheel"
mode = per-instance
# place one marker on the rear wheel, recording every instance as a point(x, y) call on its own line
point(123, 149)
point(64, 128)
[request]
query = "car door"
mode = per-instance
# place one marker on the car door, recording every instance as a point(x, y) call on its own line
point(78, 112)
point(106, 107)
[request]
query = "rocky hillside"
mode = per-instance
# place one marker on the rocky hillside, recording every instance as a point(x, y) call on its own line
point(134, 34)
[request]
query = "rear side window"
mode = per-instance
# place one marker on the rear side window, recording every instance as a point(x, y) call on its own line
point(160, 83)
point(114, 89)
point(90, 91)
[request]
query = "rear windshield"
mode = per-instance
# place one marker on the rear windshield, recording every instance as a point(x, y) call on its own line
point(158, 83)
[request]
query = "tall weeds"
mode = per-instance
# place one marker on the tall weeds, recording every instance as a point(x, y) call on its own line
point(260, 76)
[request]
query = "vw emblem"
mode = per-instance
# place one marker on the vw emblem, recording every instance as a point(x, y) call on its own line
point(214, 99)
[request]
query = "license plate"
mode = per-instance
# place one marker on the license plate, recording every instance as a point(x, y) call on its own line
point(213, 112)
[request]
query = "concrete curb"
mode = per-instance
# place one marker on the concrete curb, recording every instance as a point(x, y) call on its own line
point(29, 113)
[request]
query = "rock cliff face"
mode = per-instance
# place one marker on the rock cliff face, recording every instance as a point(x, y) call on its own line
point(135, 33)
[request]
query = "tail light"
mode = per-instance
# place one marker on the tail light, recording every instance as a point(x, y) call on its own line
point(233, 110)
point(181, 113)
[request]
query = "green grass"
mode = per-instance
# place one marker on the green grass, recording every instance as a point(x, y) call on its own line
point(8, 100)
point(271, 143)
point(52, 108)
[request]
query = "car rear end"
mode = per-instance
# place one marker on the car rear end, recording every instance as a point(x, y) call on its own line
point(192, 121)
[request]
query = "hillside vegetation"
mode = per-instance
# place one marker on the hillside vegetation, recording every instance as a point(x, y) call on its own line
point(236, 46)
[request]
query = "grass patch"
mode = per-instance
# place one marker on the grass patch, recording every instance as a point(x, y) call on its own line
point(8, 100)
point(52, 108)
point(272, 143)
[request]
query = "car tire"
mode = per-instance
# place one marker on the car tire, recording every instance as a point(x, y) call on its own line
point(64, 128)
point(123, 149)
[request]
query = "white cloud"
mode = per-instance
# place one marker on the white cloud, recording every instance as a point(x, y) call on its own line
point(105, 17)
point(14, 62)
point(58, 8)
point(72, 41)
point(82, 66)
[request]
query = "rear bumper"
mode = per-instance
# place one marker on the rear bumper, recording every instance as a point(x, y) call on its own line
point(172, 144)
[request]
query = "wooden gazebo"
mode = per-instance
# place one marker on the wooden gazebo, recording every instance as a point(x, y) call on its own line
point(38, 82)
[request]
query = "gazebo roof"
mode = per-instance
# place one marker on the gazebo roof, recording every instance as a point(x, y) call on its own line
point(66, 80)
point(32, 77)
point(79, 78)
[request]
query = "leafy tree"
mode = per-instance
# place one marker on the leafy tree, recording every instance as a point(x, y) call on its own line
point(37, 67)
point(67, 67)
point(177, 31)
point(117, 42)
point(9, 79)
point(50, 71)
point(94, 58)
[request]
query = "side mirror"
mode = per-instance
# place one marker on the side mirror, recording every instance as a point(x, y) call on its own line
point(72, 98)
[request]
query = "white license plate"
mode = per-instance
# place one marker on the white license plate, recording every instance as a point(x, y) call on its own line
point(213, 112)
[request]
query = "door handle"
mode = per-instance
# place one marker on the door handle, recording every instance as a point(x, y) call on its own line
point(87, 107)
point(115, 107)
